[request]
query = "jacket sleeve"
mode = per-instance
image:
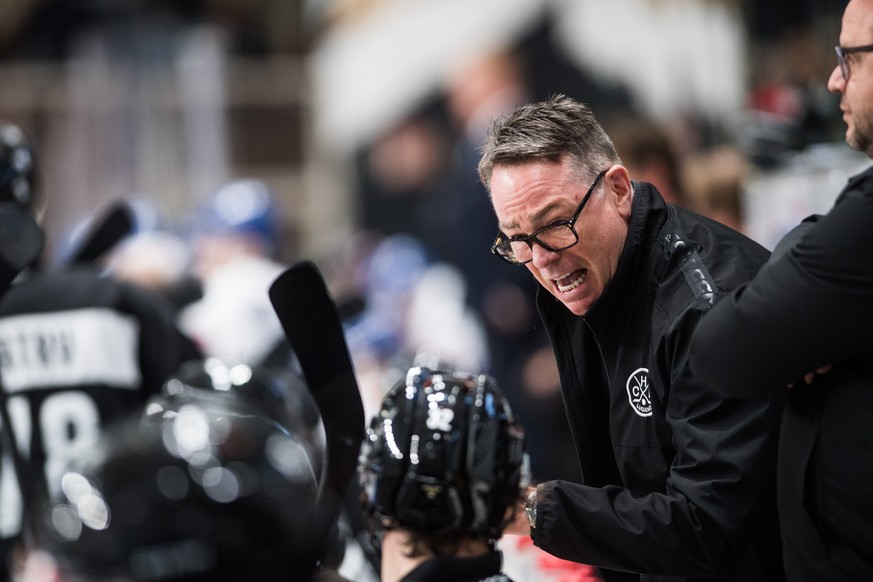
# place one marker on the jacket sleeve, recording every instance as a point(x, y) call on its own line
point(701, 523)
point(808, 308)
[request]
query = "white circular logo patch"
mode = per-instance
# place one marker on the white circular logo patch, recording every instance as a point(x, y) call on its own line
point(639, 393)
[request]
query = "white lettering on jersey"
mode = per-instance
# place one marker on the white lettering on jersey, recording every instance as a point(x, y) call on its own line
point(69, 348)
point(11, 499)
point(67, 420)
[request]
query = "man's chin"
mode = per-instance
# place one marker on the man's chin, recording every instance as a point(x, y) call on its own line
point(578, 307)
point(859, 142)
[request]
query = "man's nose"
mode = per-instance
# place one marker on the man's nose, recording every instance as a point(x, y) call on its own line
point(836, 82)
point(542, 256)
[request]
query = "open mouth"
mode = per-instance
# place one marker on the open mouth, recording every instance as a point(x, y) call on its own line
point(570, 281)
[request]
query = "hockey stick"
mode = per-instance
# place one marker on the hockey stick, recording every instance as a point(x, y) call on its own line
point(21, 243)
point(104, 233)
point(312, 326)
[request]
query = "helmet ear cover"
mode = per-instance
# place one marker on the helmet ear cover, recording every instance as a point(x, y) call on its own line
point(443, 454)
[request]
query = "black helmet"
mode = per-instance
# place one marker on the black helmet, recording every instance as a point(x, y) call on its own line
point(203, 486)
point(282, 394)
point(444, 453)
point(17, 167)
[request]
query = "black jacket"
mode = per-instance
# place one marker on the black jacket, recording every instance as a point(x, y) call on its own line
point(811, 306)
point(679, 480)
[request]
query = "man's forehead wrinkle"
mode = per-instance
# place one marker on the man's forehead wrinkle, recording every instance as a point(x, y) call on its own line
point(532, 218)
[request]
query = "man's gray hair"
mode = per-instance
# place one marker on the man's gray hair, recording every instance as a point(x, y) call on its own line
point(551, 130)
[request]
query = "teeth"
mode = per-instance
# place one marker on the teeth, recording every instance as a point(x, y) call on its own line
point(563, 288)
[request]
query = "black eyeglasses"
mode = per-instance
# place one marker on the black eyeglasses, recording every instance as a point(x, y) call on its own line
point(558, 236)
point(842, 52)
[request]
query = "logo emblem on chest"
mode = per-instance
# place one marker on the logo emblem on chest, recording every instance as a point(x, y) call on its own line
point(639, 392)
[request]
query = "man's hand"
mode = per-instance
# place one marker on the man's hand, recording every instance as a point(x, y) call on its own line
point(810, 376)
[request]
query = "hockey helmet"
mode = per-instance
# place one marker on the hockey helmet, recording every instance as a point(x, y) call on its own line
point(444, 453)
point(203, 486)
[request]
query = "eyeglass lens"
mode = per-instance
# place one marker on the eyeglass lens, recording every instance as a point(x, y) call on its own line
point(554, 238)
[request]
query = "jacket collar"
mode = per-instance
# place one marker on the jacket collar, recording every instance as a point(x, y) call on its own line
point(865, 175)
point(854, 182)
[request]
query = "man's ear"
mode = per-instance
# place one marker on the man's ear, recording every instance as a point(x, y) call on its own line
point(618, 181)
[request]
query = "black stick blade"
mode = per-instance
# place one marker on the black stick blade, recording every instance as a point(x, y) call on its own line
point(311, 324)
point(106, 232)
point(21, 242)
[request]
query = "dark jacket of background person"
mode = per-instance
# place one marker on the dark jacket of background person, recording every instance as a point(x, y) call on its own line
point(77, 351)
point(680, 480)
point(810, 307)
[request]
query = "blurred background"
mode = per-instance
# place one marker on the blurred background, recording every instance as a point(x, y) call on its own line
point(363, 117)
point(351, 109)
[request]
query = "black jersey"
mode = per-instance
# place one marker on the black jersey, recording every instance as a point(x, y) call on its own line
point(475, 569)
point(77, 350)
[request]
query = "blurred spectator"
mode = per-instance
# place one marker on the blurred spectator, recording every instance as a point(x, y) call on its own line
point(480, 89)
point(398, 173)
point(714, 180)
point(152, 255)
point(709, 182)
point(649, 154)
point(160, 261)
point(414, 310)
point(235, 240)
point(387, 277)
point(787, 109)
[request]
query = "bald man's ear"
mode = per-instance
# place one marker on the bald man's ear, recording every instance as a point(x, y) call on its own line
point(619, 184)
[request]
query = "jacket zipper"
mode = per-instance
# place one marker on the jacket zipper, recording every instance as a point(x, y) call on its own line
point(608, 385)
